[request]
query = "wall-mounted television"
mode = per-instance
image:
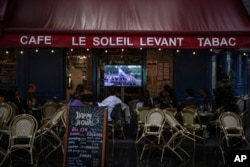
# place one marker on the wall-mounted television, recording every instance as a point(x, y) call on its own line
point(123, 75)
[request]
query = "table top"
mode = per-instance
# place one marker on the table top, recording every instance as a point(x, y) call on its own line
point(206, 114)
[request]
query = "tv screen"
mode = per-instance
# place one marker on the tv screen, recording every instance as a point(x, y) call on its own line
point(123, 75)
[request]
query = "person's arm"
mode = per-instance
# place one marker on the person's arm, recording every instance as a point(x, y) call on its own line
point(104, 103)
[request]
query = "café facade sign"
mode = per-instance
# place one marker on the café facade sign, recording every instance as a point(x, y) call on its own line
point(89, 41)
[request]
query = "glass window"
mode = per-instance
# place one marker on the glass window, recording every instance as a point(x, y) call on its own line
point(7, 66)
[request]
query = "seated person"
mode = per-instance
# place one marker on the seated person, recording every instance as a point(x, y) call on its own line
point(14, 96)
point(164, 101)
point(110, 102)
point(32, 99)
point(2, 96)
point(208, 100)
point(75, 99)
point(189, 99)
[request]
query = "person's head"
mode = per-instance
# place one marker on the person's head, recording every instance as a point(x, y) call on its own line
point(167, 88)
point(79, 88)
point(14, 91)
point(163, 94)
point(76, 95)
point(2, 96)
point(31, 88)
point(204, 92)
point(112, 91)
point(190, 92)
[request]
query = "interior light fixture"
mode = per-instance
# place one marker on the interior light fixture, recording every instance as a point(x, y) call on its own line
point(194, 52)
point(7, 52)
point(52, 51)
point(122, 50)
point(159, 49)
point(36, 50)
point(71, 49)
point(177, 51)
point(21, 52)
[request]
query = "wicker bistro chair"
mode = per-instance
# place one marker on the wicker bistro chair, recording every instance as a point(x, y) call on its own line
point(192, 122)
point(5, 114)
point(50, 133)
point(15, 109)
point(153, 128)
point(22, 134)
point(192, 107)
point(48, 109)
point(173, 111)
point(231, 127)
point(141, 115)
point(213, 121)
point(179, 134)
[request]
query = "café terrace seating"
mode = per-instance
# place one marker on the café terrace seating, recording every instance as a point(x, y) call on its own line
point(213, 121)
point(192, 122)
point(152, 132)
point(48, 109)
point(232, 134)
point(178, 135)
point(47, 139)
point(22, 131)
point(5, 114)
point(155, 133)
point(50, 133)
point(141, 113)
point(5, 117)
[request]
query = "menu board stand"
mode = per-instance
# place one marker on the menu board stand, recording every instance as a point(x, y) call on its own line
point(86, 137)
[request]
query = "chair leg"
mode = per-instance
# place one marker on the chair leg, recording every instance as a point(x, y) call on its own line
point(123, 132)
point(194, 139)
point(204, 136)
point(113, 134)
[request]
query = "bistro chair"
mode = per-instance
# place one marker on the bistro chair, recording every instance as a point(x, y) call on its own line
point(50, 133)
point(5, 117)
point(48, 109)
point(117, 121)
point(2, 156)
point(5, 114)
point(22, 134)
point(173, 111)
point(231, 128)
point(243, 115)
point(213, 121)
point(15, 109)
point(153, 128)
point(192, 107)
point(179, 134)
point(191, 121)
point(141, 116)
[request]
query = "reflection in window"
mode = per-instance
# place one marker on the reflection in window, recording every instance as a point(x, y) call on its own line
point(7, 66)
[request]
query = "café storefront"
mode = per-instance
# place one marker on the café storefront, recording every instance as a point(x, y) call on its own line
point(57, 44)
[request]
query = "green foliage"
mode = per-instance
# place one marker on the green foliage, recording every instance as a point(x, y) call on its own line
point(224, 94)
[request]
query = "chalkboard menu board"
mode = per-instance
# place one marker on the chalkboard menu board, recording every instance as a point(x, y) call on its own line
point(85, 143)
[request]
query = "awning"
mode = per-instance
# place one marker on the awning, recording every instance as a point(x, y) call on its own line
point(3, 6)
point(128, 23)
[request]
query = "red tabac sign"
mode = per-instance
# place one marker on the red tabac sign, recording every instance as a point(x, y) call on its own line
point(74, 41)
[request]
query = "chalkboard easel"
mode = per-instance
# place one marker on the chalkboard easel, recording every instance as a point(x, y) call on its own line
point(86, 137)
